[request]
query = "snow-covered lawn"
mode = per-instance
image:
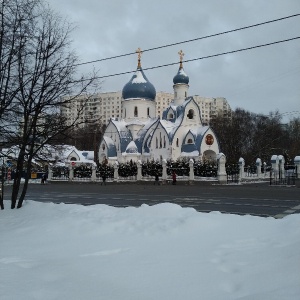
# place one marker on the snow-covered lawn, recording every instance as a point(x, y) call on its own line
point(59, 251)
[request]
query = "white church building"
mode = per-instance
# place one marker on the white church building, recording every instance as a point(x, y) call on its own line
point(140, 135)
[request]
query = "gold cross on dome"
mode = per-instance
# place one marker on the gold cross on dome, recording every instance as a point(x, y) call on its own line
point(181, 55)
point(139, 52)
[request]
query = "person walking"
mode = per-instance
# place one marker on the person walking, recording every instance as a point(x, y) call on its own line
point(174, 178)
point(156, 179)
point(44, 178)
point(103, 179)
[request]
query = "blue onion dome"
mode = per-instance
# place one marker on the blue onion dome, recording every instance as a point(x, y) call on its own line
point(181, 76)
point(139, 86)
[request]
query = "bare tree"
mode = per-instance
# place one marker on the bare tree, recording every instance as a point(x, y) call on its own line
point(293, 132)
point(44, 75)
point(250, 135)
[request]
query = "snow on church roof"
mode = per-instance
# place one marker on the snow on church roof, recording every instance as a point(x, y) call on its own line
point(139, 87)
point(121, 127)
point(111, 147)
point(193, 153)
point(108, 141)
point(132, 148)
point(171, 127)
point(141, 134)
point(199, 130)
point(139, 77)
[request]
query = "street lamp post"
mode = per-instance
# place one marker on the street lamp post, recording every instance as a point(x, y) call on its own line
point(2, 185)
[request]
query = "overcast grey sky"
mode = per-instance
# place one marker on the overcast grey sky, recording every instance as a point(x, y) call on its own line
point(259, 80)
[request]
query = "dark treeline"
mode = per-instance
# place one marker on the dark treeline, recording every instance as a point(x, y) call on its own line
point(253, 136)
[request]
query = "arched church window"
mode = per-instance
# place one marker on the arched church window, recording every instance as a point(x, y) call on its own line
point(190, 141)
point(148, 112)
point(103, 147)
point(177, 142)
point(185, 94)
point(190, 114)
point(156, 142)
point(164, 141)
point(171, 116)
point(160, 141)
point(135, 111)
point(73, 158)
point(124, 112)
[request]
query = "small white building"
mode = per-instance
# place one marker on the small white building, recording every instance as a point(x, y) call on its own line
point(141, 135)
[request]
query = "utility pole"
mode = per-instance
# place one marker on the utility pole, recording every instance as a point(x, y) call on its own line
point(2, 185)
point(95, 145)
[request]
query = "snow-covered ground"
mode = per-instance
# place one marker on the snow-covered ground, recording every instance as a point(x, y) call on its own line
point(59, 251)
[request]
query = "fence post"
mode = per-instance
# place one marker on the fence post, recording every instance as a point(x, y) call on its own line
point(50, 174)
point(164, 170)
point(258, 168)
point(265, 169)
point(139, 170)
point(191, 165)
point(241, 168)
point(297, 166)
point(275, 165)
point(116, 169)
point(71, 173)
point(222, 176)
point(93, 178)
point(281, 166)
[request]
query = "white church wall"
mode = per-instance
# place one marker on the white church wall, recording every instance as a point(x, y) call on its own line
point(195, 120)
point(209, 146)
point(180, 93)
point(138, 109)
point(134, 129)
point(160, 146)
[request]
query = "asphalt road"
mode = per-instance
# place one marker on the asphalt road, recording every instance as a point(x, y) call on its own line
point(258, 199)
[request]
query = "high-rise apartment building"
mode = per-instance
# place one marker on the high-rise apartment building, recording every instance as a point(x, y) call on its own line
point(103, 106)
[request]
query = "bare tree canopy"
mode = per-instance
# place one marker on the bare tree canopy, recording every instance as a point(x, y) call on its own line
point(251, 136)
point(37, 77)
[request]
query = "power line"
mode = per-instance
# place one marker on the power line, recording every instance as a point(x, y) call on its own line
point(191, 40)
point(194, 59)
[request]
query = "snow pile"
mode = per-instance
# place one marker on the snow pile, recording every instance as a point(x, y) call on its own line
point(51, 251)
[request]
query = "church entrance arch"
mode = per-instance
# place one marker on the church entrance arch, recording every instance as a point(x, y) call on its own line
point(209, 155)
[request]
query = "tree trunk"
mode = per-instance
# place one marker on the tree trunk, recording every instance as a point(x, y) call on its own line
point(23, 194)
point(17, 179)
point(25, 186)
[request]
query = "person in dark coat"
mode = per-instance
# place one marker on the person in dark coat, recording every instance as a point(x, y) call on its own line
point(103, 179)
point(43, 180)
point(174, 178)
point(156, 179)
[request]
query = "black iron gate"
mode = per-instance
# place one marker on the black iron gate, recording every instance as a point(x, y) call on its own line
point(288, 176)
point(232, 171)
